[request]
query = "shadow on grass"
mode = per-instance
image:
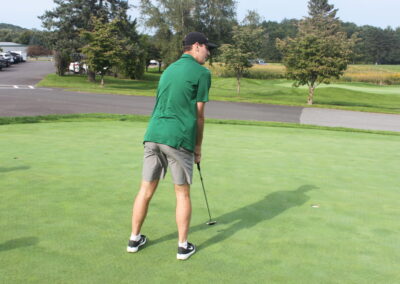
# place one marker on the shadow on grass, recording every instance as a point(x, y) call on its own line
point(341, 103)
point(18, 243)
point(249, 216)
point(6, 170)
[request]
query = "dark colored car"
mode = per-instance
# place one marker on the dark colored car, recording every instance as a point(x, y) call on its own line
point(3, 62)
point(8, 57)
point(17, 57)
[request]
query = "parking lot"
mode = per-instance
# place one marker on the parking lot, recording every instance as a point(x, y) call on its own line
point(25, 74)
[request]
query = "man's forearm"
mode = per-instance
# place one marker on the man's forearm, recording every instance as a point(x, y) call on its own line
point(200, 130)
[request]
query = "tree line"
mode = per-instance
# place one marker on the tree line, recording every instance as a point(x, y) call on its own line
point(314, 50)
point(374, 46)
point(217, 19)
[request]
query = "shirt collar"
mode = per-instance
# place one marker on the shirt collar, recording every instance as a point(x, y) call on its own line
point(185, 55)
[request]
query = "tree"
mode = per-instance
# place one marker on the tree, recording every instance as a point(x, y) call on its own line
point(171, 20)
point(274, 30)
point(69, 17)
point(133, 56)
point(153, 52)
point(103, 48)
point(61, 58)
point(320, 51)
point(215, 19)
point(237, 56)
point(37, 50)
point(252, 18)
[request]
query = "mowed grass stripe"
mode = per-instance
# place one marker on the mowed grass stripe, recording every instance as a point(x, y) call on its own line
point(361, 87)
point(67, 190)
point(348, 96)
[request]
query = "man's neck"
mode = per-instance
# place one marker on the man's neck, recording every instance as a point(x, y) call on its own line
point(192, 53)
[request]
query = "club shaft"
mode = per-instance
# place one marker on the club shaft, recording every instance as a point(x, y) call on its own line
point(205, 195)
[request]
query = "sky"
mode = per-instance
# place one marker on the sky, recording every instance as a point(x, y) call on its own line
point(378, 13)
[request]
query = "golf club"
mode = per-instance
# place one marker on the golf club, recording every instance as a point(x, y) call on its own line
point(210, 223)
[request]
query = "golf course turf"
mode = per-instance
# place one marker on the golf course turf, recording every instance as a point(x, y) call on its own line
point(293, 205)
point(347, 96)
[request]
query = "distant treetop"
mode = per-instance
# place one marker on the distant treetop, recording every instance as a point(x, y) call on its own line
point(11, 27)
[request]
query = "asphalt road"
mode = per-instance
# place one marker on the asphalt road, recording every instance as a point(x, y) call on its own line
point(27, 73)
point(19, 97)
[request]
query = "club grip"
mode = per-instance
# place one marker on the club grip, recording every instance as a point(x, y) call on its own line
point(198, 166)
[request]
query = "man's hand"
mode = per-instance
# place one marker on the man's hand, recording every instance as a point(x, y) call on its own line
point(197, 154)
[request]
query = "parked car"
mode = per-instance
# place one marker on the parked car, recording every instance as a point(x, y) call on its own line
point(14, 57)
point(258, 61)
point(19, 54)
point(8, 57)
point(4, 61)
point(77, 67)
point(17, 57)
point(153, 63)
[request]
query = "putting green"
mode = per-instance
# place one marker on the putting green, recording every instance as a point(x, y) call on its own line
point(292, 205)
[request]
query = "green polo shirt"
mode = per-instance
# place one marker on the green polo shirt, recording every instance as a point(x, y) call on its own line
point(174, 118)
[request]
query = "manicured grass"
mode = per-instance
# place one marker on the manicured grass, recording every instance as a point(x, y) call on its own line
point(67, 190)
point(145, 87)
point(375, 74)
point(348, 96)
point(143, 118)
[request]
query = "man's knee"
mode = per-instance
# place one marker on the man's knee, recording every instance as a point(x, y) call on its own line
point(148, 188)
point(182, 191)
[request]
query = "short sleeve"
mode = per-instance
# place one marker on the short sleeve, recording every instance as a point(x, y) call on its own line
point(204, 86)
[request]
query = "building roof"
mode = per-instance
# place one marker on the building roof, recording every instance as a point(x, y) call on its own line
point(11, 44)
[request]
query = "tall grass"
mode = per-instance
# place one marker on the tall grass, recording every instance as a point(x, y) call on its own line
point(375, 74)
point(269, 71)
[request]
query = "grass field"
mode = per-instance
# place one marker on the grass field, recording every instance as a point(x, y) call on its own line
point(67, 190)
point(348, 96)
point(375, 74)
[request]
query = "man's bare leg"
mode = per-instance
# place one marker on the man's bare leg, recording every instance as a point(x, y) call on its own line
point(141, 204)
point(183, 211)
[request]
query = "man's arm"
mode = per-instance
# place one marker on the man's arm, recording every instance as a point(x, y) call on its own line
point(200, 130)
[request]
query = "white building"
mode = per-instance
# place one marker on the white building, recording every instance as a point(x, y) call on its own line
point(15, 47)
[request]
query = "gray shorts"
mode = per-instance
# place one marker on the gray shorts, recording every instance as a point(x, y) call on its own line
point(157, 158)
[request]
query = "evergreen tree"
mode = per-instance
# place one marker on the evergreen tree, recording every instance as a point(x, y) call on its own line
point(133, 57)
point(69, 17)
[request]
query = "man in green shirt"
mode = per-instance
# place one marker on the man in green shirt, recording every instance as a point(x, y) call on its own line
point(173, 138)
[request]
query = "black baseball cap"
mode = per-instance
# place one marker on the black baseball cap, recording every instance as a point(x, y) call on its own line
point(193, 37)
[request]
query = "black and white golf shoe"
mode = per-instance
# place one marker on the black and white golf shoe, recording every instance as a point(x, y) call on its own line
point(133, 246)
point(185, 253)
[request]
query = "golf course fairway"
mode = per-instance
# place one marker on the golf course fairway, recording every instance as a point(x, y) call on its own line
point(293, 205)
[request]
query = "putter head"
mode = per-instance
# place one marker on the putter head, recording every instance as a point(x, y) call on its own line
point(210, 223)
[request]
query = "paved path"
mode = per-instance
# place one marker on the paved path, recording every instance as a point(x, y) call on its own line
point(350, 119)
point(19, 97)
